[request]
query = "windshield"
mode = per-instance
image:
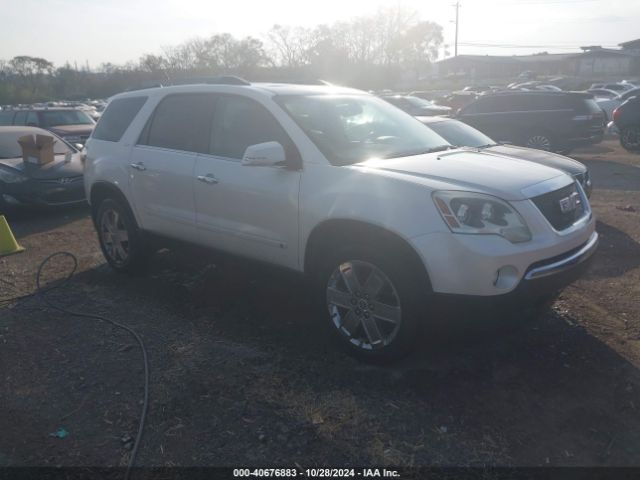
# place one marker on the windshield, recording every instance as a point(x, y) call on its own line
point(350, 129)
point(460, 134)
point(10, 148)
point(56, 118)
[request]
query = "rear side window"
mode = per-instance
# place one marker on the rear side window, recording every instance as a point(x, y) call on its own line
point(241, 122)
point(591, 106)
point(6, 118)
point(20, 118)
point(487, 105)
point(117, 117)
point(181, 122)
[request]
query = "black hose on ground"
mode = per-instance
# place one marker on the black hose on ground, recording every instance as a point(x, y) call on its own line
point(41, 294)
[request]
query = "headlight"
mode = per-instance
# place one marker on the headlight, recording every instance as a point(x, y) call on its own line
point(480, 214)
point(588, 186)
point(8, 176)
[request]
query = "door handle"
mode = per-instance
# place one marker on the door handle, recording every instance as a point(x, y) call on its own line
point(138, 166)
point(208, 178)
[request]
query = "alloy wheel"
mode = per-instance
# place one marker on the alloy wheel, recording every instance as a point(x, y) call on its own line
point(540, 142)
point(363, 305)
point(115, 236)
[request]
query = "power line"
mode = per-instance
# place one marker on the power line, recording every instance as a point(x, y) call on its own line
point(457, 6)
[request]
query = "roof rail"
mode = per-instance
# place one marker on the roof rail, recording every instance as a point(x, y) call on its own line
point(218, 80)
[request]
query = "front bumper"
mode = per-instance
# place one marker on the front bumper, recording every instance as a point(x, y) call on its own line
point(490, 265)
point(44, 193)
point(542, 280)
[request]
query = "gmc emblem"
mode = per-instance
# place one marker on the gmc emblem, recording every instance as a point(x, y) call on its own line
point(570, 203)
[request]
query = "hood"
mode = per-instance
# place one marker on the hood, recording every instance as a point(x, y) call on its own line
point(57, 169)
point(506, 177)
point(572, 167)
point(64, 130)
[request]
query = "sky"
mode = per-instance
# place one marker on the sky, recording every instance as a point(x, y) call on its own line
point(117, 31)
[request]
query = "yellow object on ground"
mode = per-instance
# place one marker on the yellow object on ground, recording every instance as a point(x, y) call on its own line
point(8, 243)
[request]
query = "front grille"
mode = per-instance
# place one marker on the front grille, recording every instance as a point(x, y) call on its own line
point(60, 181)
point(550, 205)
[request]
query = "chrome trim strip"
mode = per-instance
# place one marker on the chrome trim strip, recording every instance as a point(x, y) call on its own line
point(547, 186)
point(566, 263)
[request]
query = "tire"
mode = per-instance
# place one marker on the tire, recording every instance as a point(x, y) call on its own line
point(539, 140)
point(630, 138)
point(121, 240)
point(359, 318)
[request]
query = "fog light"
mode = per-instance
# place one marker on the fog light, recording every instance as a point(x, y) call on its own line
point(506, 277)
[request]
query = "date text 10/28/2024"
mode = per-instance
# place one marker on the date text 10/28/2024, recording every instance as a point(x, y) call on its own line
point(316, 472)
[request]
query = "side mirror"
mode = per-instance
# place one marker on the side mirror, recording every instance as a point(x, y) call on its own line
point(265, 154)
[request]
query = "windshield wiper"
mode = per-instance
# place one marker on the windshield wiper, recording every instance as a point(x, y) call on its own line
point(411, 153)
point(440, 148)
point(488, 145)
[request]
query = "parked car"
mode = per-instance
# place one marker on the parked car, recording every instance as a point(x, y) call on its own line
point(610, 104)
point(553, 121)
point(57, 184)
point(384, 216)
point(458, 100)
point(603, 93)
point(416, 106)
point(462, 135)
point(73, 125)
point(627, 119)
point(618, 87)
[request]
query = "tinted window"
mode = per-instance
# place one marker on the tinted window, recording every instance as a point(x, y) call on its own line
point(486, 105)
point(181, 122)
point(32, 119)
point(20, 118)
point(241, 122)
point(6, 118)
point(56, 118)
point(634, 92)
point(117, 118)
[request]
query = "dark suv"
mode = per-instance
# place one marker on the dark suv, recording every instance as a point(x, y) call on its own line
point(552, 121)
point(73, 125)
point(627, 119)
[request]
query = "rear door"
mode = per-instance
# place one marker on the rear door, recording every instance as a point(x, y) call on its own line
point(247, 210)
point(163, 161)
point(490, 116)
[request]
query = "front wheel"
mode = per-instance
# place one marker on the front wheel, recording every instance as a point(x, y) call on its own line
point(372, 303)
point(630, 138)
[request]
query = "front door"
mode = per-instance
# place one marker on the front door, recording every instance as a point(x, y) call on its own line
point(247, 210)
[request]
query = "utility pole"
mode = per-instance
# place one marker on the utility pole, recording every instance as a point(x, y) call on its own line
point(457, 5)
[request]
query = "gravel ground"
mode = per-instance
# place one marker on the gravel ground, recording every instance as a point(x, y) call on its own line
point(242, 373)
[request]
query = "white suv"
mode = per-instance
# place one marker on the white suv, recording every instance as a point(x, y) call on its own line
point(379, 211)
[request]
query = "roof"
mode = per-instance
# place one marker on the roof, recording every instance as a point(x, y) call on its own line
point(630, 44)
point(270, 89)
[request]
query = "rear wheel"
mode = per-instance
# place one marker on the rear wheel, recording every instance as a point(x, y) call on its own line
point(120, 238)
point(373, 303)
point(630, 138)
point(539, 141)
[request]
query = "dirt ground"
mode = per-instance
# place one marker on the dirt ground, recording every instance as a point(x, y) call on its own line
point(242, 373)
